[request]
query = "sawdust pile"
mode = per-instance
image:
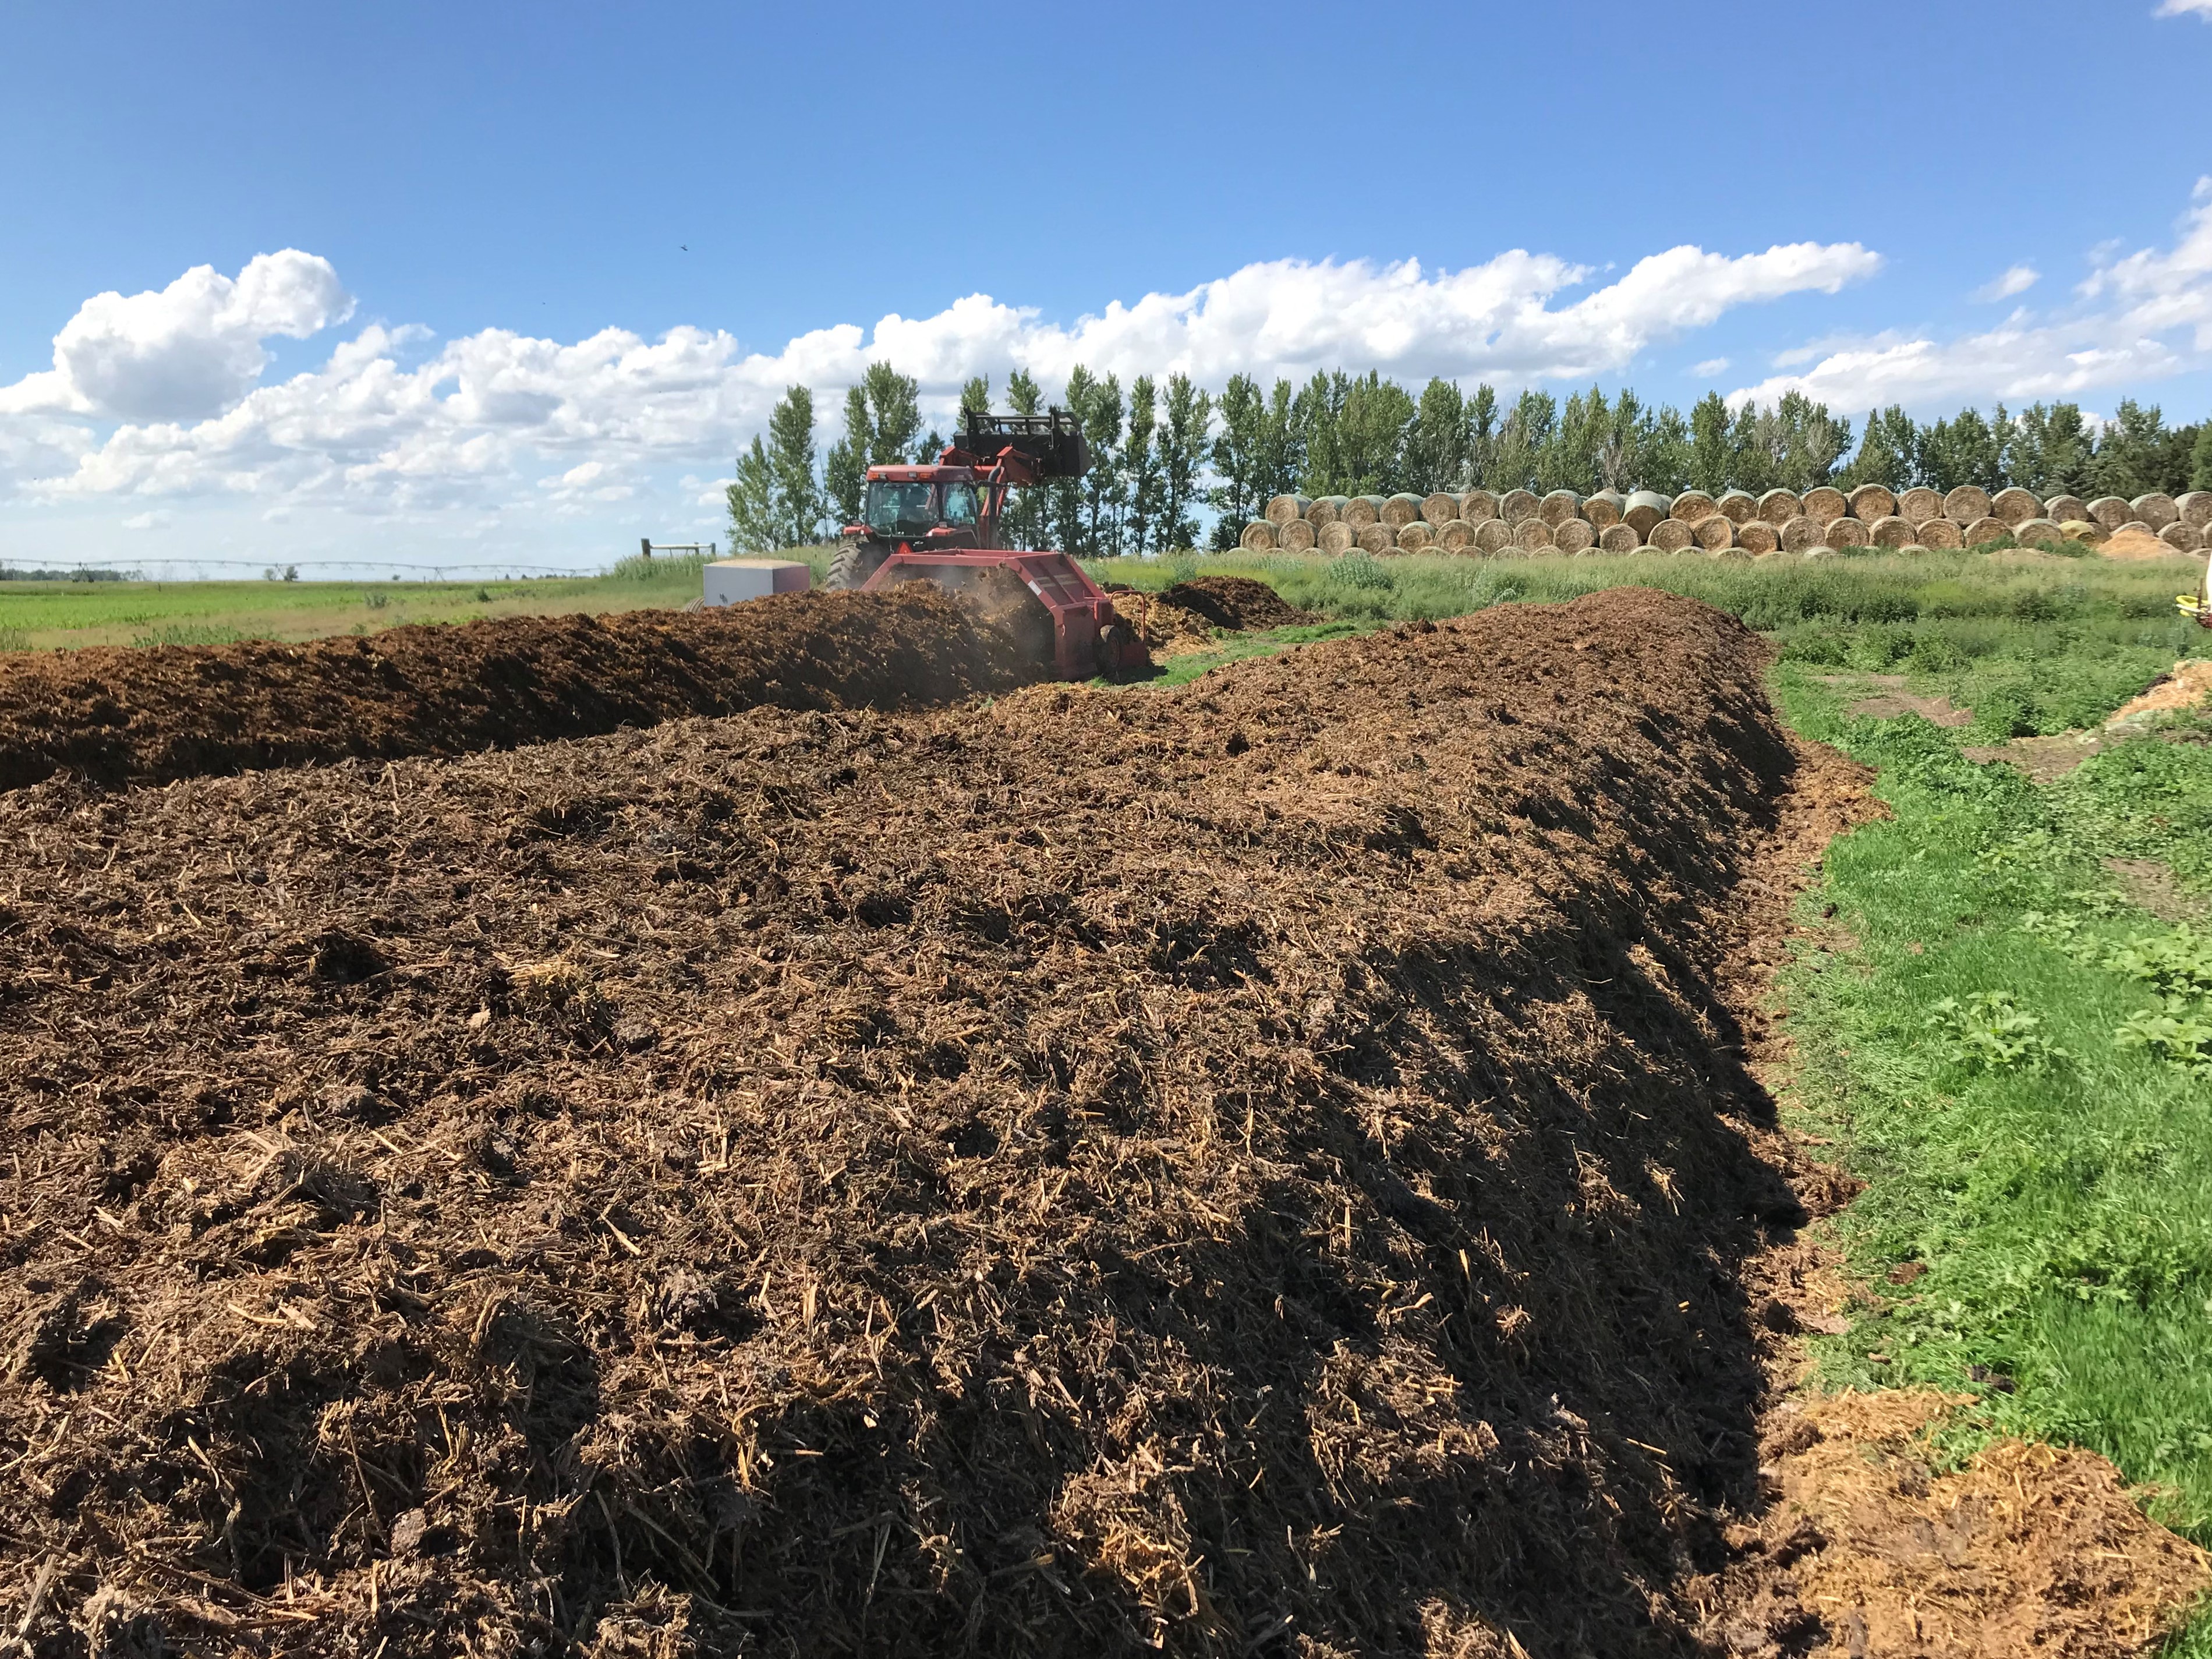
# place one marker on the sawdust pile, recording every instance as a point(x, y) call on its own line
point(115, 715)
point(2189, 685)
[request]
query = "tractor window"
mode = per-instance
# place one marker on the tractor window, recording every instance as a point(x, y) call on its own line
point(902, 509)
point(960, 503)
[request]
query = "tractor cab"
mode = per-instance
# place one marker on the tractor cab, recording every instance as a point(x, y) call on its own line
point(949, 502)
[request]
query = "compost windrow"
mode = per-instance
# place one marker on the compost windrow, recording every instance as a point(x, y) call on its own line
point(1255, 1169)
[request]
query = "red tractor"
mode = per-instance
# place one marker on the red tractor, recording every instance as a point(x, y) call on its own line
point(942, 521)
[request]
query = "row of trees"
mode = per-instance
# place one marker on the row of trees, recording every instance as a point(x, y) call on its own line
point(1164, 451)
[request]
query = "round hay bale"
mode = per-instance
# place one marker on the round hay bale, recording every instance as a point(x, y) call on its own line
point(1439, 508)
point(1826, 503)
point(1918, 504)
point(2037, 531)
point(1778, 507)
point(1295, 536)
point(1575, 536)
point(2195, 507)
point(1802, 534)
point(1493, 536)
point(1418, 537)
point(1561, 504)
point(1326, 509)
point(1532, 535)
point(1603, 508)
point(1259, 536)
point(2088, 532)
point(1758, 536)
point(2110, 511)
point(1968, 504)
point(1891, 532)
point(2065, 509)
point(1846, 531)
point(1645, 508)
point(2182, 536)
point(1283, 508)
point(1456, 537)
point(1941, 535)
point(1377, 538)
point(2155, 509)
point(1617, 538)
point(1870, 503)
point(1715, 532)
point(1338, 537)
point(1514, 505)
point(1477, 505)
point(1985, 530)
point(2014, 506)
point(1739, 506)
point(1693, 507)
point(1401, 508)
point(1360, 511)
point(1671, 536)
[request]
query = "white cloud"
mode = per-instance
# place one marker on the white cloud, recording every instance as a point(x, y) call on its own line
point(1710, 366)
point(160, 519)
point(2015, 279)
point(2182, 8)
point(380, 427)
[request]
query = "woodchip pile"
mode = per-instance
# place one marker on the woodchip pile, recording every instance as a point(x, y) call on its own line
point(1733, 525)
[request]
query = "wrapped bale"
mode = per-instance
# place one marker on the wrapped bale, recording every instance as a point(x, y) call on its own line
point(1986, 529)
point(1438, 509)
point(1919, 504)
point(1603, 509)
point(1360, 511)
point(1259, 536)
point(2088, 532)
point(1644, 509)
point(2155, 509)
point(1845, 531)
point(1456, 535)
point(1516, 505)
point(2183, 536)
point(1891, 532)
point(1826, 503)
point(1870, 503)
point(1671, 536)
point(1715, 532)
point(1295, 536)
point(2069, 509)
point(2195, 507)
point(2110, 511)
point(1561, 504)
point(1802, 534)
point(1402, 508)
point(1575, 536)
point(2037, 531)
point(1532, 535)
point(1968, 504)
point(1283, 508)
point(1477, 505)
point(1338, 537)
point(1941, 534)
point(1377, 538)
point(1739, 506)
point(1417, 536)
point(1325, 510)
point(1757, 537)
point(1778, 507)
point(1493, 536)
point(1692, 507)
point(2014, 506)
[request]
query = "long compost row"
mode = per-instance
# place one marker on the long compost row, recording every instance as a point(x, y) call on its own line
point(1255, 1169)
point(1734, 523)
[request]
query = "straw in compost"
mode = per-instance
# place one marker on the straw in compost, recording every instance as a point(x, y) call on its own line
point(1802, 534)
point(1477, 505)
point(1532, 535)
point(1846, 531)
point(1826, 503)
point(1985, 530)
point(1281, 509)
point(1941, 534)
point(1295, 536)
point(1671, 536)
point(1643, 510)
point(1455, 536)
point(2037, 532)
point(1377, 538)
point(2064, 509)
point(2111, 512)
point(1968, 504)
point(1603, 508)
point(1919, 504)
point(1516, 505)
point(1561, 504)
point(1778, 507)
point(1739, 506)
point(1575, 536)
point(2014, 506)
point(1693, 506)
point(1758, 536)
point(1620, 538)
point(1416, 537)
point(1893, 531)
point(1872, 503)
point(1259, 536)
point(1439, 509)
point(1325, 510)
point(2195, 507)
point(1493, 536)
point(1337, 538)
point(2182, 536)
point(2156, 509)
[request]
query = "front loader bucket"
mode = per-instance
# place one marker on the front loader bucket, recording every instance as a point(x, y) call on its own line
point(1089, 637)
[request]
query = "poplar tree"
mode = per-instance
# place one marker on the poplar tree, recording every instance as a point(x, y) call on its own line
point(1140, 471)
point(1709, 445)
point(845, 473)
point(1439, 444)
point(2048, 451)
point(797, 506)
point(1023, 517)
point(1235, 458)
point(751, 496)
point(1183, 450)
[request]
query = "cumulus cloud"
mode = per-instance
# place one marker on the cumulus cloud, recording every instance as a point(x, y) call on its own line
point(2185, 7)
point(386, 423)
point(1710, 366)
point(2015, 279)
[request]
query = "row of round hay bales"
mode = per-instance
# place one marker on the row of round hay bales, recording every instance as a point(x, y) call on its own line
point(1482, 521)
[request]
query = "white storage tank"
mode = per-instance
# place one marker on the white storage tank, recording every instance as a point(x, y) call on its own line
point(733, 581)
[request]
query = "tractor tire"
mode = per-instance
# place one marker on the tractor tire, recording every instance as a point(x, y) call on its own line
point(855, 564)
point(1114, 639)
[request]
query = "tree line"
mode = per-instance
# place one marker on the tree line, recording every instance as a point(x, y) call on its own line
point(1163, 450)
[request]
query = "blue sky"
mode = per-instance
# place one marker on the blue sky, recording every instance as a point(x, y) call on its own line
point(448, 313)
